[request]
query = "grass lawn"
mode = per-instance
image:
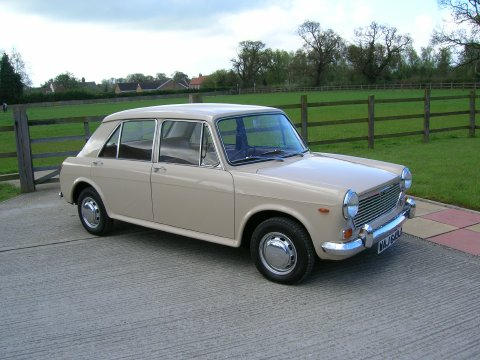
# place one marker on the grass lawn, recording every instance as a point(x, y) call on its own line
point(8, 191)
point(446, 169)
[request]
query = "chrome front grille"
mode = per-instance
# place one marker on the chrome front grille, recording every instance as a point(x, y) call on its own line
point(376, 205)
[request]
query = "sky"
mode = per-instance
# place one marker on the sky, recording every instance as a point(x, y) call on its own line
point(101, 39)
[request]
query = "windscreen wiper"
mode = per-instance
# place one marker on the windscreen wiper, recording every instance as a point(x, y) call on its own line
point(273, 152)
point(256, 158)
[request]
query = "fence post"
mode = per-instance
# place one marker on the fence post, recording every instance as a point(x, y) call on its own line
point(371, 121)
point(472, 113)
point(304, 116)
point(195, 98)
point(426, 116)
point(24, 151)
point(86, 127)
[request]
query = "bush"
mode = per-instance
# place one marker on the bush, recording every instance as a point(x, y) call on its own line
point(37, 97)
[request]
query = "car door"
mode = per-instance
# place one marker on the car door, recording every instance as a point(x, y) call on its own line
point(190, 190)
point(123, 168)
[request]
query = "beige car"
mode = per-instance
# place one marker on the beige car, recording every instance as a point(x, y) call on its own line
point(233, 175)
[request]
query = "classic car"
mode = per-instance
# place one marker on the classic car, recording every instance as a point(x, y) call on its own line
point(236, 175)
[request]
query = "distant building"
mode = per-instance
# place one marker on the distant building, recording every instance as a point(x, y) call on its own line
point(89, 85)
point(196, 83)
point(172, 85)
point(83, 85)
point(149, 86)
point(125, 87)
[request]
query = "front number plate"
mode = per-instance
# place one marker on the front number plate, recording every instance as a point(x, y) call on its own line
point(389, 240)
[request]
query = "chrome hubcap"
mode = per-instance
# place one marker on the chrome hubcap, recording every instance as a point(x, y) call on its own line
point(278, 253)
point(90, 212)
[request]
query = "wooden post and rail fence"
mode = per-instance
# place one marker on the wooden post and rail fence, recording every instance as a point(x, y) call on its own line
point(25, 157)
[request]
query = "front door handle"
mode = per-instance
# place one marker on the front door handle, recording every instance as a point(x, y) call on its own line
point(159, 169)
point(97, 162)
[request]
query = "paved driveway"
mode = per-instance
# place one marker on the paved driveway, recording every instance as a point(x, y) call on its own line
point(146, 294)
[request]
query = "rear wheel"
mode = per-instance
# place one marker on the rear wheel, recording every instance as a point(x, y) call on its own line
point(282, 250)
point(92, 212)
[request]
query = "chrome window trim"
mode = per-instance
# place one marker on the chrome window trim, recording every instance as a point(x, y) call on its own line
point(201, 146)
point(307, 149)
point(119, 139)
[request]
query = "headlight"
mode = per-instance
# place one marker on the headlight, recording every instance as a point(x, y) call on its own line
point(406, 179)
point(350, 204)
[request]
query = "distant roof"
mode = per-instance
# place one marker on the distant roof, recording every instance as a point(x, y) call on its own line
point(127, 86)
point(88, 83)
point(150, 85)
point(171, 80)
point(198, 80)
point(197, 111)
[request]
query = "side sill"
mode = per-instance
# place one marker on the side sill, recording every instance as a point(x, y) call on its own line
point(178, 231)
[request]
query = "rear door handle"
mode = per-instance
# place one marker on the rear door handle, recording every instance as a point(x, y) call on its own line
point(159, 169)
point(97, 163)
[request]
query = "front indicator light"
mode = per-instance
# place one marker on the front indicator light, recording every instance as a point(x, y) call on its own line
point(347, 234)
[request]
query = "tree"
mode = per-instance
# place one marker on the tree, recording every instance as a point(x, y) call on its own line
point(250, 61)
point(220, 79)
point(427, 63)
point(299, 69)
point(161, 77)
point(181, 78)
point(11, 87)
point(443, 62)
point(19, 66)
point(323, 47)
point(108, 84)
point(277, 67)
point(465, 39)
point(377, 48)
point(408, 67)
point(139, 78)
point(66, 81)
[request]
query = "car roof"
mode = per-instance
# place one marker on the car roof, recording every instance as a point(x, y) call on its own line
point(196, 111)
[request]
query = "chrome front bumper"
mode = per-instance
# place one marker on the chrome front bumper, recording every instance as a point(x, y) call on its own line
point(369, 237)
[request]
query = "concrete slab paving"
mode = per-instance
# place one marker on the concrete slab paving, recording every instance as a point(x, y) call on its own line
point(474, 228)
point(424, 208)
point(424, 228)
point(454, 217)
point(151, 295)
point(462, 239)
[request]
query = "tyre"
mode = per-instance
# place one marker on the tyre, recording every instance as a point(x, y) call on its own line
point(282, 250)
point(92, 212)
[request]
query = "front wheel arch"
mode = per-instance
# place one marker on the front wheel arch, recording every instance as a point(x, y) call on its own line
point(257, 218)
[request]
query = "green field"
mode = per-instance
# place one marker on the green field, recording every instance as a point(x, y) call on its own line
point(446, 169)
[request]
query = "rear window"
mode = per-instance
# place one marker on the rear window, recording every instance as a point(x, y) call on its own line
point(137, 140)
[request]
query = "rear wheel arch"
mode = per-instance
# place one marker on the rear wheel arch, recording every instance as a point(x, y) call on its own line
point(82, 184)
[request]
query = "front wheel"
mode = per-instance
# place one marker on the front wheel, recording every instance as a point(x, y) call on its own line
point(92, 212)
point(282, 250)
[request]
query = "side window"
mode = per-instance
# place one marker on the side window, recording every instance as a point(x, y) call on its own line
point(110, 148)
point(137, 140)
point(209, 155)
point(180, 142)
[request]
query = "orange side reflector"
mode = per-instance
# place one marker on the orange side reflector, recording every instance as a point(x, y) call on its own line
point(324, 210)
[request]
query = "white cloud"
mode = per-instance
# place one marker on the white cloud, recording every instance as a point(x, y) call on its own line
point(103, 50)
